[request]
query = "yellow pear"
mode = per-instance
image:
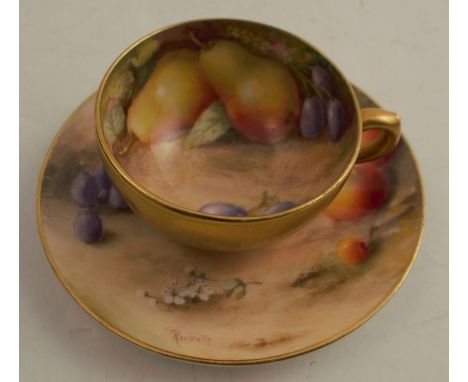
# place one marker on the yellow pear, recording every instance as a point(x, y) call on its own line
point(260, 93)
point(172, 98)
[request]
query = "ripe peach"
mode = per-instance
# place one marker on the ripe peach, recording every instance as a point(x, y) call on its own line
point(352, 250)
point(364, 192)
point(370, 136)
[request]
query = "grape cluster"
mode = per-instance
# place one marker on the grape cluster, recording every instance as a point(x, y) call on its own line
point(90, 190)
point(323, 109)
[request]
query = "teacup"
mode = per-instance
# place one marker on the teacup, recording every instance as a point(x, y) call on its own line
point(228, 134)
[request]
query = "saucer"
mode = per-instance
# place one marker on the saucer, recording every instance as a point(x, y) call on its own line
point(303, 292)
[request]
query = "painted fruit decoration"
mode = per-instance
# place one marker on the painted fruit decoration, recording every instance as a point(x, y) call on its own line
point(352, 250)
point(364, 192)
point(94, 192)
point(173, 97)
point(182, 88)
point(261, 97)
point(260, 94)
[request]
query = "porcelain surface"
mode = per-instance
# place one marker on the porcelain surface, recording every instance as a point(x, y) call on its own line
point(293, 296)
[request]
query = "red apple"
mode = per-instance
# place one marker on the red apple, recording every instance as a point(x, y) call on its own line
point(364, 192)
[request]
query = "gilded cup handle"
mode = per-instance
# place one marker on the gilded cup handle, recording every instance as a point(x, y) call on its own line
point(388, 123)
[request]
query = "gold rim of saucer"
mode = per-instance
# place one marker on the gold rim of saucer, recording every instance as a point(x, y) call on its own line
point(183, 357)
point(106, 151)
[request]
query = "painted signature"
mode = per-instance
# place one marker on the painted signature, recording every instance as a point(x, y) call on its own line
point(179, 337)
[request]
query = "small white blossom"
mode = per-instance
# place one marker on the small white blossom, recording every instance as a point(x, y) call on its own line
point(172, 293)
point(201, 289)
point(205, 293)
point(189, 292)
point(204, 296)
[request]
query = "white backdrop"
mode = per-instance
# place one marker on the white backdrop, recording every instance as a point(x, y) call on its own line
point(397, 51)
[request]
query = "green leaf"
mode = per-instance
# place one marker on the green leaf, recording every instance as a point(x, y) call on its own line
point(142, 76)
point(211, 125)
point(121, 86)
point(114, 125)
point(145, 52)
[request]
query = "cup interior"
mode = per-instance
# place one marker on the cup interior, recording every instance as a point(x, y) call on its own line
point(228, 117)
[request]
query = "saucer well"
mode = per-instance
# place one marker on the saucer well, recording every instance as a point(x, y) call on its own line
point(301, 293)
